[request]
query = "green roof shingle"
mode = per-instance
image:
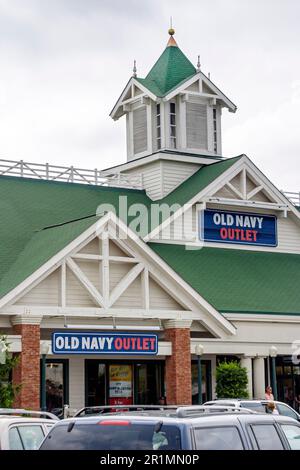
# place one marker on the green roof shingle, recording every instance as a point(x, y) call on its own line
point(238, 280)
point(171, 69)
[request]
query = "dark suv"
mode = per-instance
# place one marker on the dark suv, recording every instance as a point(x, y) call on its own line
point(189, 428)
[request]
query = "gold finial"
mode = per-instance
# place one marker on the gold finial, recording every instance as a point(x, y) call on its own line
point(171, 29)
point(171, 32)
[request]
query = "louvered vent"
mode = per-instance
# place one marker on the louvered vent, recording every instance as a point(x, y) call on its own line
point(140, 130)
point(196, 126)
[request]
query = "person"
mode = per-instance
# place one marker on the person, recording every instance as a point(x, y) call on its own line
point(272, 408)
point(269, 395)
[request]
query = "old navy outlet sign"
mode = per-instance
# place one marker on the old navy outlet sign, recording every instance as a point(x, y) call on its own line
point(238, 227)
point(104, 343)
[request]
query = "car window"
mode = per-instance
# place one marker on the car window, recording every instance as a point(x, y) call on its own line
point(266, 437)
point(221, 403)
point(113, 436)
point(254, 406)
point(15, 442)
point(31, 436)
point(218, 438)
point(292, 434)
point(286, 411)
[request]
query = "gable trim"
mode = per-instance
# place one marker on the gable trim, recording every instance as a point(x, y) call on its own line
point(182, 87)
point(129, 84)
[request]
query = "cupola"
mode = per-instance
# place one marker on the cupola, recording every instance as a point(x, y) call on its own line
point(176, 107)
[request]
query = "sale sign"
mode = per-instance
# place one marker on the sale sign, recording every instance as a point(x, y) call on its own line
point(120, 384)
point(238, 227)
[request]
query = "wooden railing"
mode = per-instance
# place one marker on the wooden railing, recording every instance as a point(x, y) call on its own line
point(294, 197)
point(68, 174)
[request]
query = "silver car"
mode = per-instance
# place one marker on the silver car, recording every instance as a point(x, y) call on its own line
point(23, 433)
point(260, 406)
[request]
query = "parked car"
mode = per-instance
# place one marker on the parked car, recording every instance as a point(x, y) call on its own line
point(24, 433)
point(260, 406)
point(188, 428)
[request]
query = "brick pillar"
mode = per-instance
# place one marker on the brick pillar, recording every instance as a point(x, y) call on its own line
point(27, 372)
point(178, 366)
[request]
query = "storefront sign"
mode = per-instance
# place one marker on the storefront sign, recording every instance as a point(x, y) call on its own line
point(104, 343)
point(120, 384)
point(238, 227)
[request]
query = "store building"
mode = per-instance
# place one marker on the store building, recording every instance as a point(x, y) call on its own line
point(116, 276)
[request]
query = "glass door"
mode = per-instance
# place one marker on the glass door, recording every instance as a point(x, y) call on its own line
point(148, 386)
point(95, 383)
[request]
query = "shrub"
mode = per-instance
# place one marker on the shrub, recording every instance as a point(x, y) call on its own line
point(231, 380)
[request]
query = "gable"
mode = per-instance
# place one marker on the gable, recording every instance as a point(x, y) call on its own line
point(244, 186)
point(83, 277)
point(241, 187)
point(136, 286)
point(207, 89)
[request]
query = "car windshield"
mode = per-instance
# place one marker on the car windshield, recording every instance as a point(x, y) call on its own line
point(113, 435)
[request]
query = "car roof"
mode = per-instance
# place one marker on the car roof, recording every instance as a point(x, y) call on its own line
point(167, 418)
point(234, 400)
point(244, 400)
point(19, 419)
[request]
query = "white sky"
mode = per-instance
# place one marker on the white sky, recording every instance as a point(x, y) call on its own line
point(64, 64)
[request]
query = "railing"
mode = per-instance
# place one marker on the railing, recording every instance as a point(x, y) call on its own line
point(68, 174)
point(293, 197)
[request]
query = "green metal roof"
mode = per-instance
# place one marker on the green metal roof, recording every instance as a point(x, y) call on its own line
point(29, 207)
point(40, 248)
point(238, 280)
point(170, 70)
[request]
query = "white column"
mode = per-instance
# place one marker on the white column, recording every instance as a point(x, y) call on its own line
point(259, 377)
point(213, 376)
point(247, 363)
point(76, 383)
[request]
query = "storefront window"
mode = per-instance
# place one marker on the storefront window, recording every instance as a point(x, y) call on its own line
point(55, 385)
point(288, 381)
point(111, 383)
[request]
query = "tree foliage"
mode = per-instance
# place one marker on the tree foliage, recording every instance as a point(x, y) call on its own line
point(8, 391)
point(231, 380)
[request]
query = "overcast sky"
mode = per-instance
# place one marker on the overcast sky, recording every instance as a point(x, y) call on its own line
point(64, 64)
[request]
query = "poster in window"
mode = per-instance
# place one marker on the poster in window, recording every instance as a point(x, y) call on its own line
point(120, 384)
